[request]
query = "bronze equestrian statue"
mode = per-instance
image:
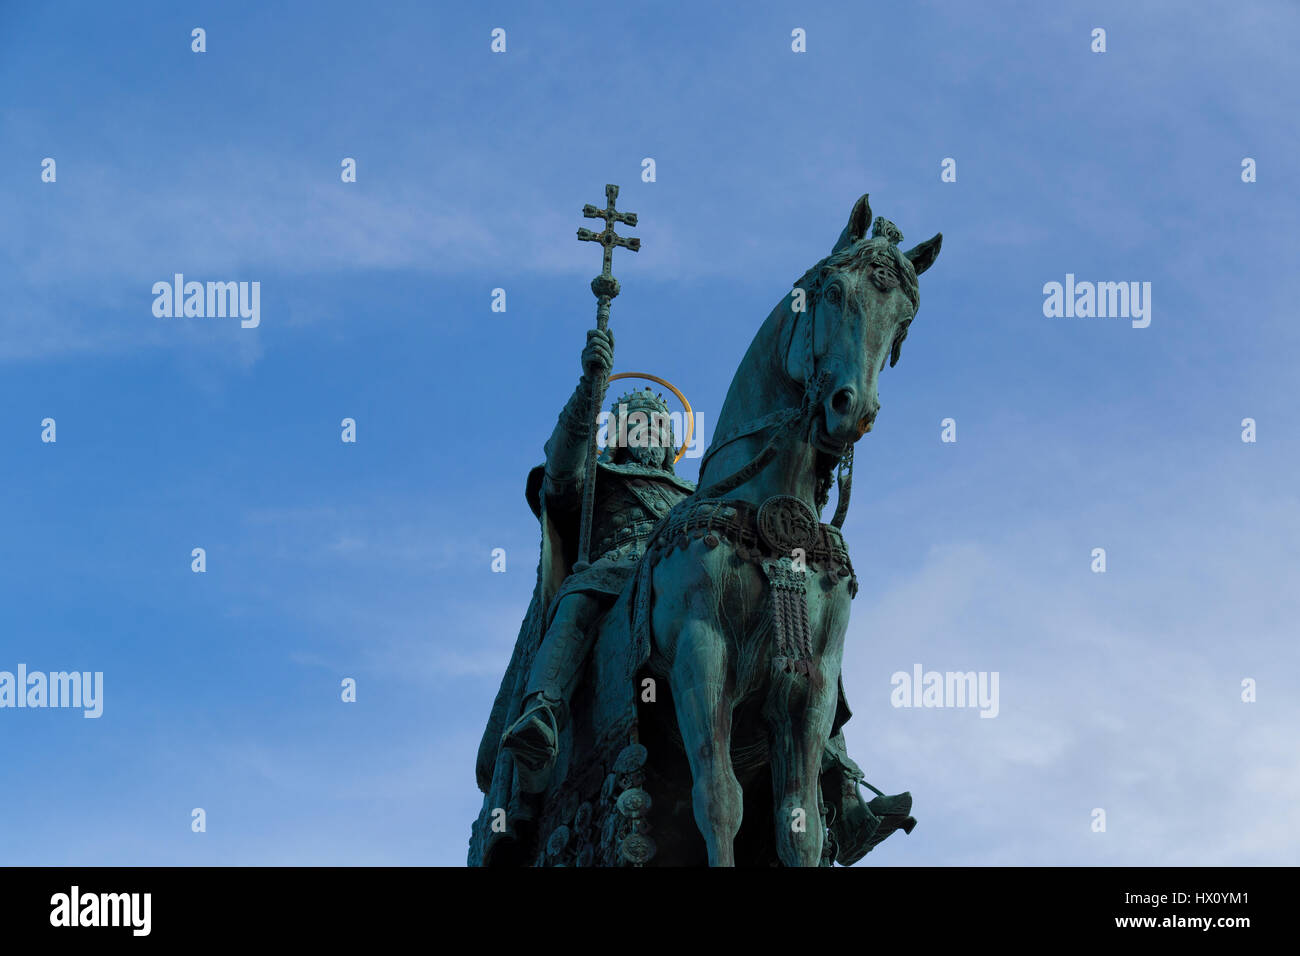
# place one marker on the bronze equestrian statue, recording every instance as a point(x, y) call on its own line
point(678, 700)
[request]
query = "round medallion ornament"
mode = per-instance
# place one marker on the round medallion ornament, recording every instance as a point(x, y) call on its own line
point(785, 523)
point(638, 848)
point(558, 841)
point(633, 802)
point(630, 759)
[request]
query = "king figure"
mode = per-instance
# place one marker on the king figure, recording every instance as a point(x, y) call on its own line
point(634, 487)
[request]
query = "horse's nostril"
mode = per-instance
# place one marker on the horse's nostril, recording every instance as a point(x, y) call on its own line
point(841, 401)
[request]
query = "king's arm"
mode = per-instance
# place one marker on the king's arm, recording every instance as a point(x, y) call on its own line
point(566, 450)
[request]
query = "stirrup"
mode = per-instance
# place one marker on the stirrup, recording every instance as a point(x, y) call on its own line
point(895, 814)
point(866, 825)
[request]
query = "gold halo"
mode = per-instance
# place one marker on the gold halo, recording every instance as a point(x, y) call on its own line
point(690, 415)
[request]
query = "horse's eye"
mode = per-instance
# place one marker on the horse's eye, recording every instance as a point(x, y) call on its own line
point(833, 295)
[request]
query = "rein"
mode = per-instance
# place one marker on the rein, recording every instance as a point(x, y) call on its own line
point(784, 422)
point(783, 425)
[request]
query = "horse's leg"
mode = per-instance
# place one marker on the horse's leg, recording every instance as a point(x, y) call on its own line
point(799, 710)
point(702, 694)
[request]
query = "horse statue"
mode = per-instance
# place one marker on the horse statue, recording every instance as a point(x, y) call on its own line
point(706, 727)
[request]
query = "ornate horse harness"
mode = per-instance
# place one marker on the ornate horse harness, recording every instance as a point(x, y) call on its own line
point(783, 535)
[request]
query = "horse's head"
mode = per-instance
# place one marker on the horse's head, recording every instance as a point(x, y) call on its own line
point(858, 304)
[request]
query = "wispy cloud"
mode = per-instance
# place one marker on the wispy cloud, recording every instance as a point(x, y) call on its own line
point(1116, 692)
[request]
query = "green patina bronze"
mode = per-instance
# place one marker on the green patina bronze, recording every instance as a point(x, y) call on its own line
point(678, 700)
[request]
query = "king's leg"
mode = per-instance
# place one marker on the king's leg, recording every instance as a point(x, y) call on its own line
point(533, 739)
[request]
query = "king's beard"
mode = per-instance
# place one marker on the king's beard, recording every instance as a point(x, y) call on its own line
point(652, 456)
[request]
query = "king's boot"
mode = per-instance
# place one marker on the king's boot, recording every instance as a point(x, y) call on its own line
point(860, 827)
point(534, 739)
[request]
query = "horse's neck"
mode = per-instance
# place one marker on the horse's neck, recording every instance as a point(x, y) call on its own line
point(762, 387)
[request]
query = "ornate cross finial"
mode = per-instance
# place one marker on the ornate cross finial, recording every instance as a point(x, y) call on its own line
point(605, 286)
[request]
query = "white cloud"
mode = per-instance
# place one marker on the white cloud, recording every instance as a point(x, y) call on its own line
point(1120, 698)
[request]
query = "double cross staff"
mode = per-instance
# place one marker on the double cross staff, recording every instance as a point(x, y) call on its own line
point(604, 287)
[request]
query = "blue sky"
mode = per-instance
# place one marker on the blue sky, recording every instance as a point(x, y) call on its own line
point(328, 560)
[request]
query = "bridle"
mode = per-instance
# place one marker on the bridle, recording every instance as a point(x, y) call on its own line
point(784, 424)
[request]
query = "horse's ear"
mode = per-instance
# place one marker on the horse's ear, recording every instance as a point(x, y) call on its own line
point(923, 256)
point(859, 220)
